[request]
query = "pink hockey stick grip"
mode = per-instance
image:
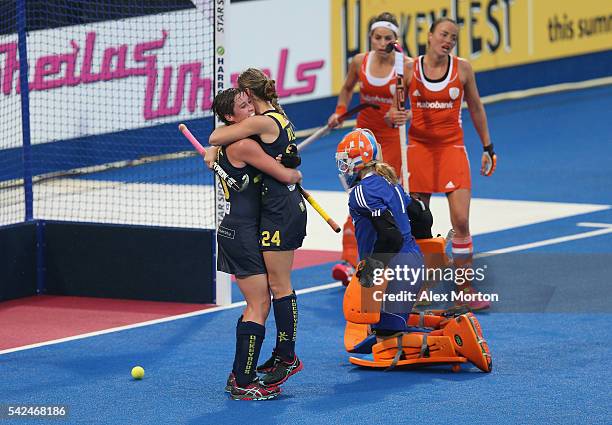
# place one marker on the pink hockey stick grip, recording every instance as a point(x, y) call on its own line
point(183, 128)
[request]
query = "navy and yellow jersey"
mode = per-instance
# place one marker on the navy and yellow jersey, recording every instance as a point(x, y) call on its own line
point(286, 137)
point(248, 202)
point(371, 197)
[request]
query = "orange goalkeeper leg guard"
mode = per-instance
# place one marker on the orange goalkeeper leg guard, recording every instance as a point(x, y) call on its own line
point(435, 319)
point(466, 335)
point(412, 349)
point(349, 243)
point(360, 304)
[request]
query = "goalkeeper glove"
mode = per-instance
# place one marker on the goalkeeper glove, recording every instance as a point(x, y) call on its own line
point(366, 270)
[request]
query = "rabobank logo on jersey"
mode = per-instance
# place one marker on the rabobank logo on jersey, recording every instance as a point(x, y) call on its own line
point(376, 99)
point(434, 105)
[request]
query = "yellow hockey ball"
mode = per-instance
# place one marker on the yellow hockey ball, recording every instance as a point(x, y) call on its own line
point(137, 372)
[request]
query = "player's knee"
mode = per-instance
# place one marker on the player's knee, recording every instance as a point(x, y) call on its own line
point(280, 285)
point(258, 309)
point(265, 306)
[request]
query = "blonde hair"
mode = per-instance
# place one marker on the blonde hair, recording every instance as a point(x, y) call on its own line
point(382, 169)
point(261, 86)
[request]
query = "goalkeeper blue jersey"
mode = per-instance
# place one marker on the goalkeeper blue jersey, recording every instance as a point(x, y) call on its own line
point(371, 197)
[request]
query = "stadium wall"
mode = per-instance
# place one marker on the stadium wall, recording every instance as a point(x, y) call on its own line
point(512, 44)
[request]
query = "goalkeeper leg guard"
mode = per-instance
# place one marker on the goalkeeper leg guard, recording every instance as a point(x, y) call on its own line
point(466, 335)
point(349, 243)
point(362, 305)
point(411, 349)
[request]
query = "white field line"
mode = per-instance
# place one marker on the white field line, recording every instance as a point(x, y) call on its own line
point(604, 229)
point(162, 320)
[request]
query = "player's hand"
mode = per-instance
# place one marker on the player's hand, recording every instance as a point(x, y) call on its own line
point(366, 269)
point(210, 155)
point(395, 118)
point(489, 161)
point(333, 121)
point(296, 177)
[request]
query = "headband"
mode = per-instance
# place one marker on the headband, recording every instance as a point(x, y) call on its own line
point(385, 24)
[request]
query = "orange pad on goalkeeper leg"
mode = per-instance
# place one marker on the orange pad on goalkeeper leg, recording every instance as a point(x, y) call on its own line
point(416, 350)
point(466, 335)
point(357, 339)
point(349, 243)
point(359, 304)
point(434, 253)
point(426, 320)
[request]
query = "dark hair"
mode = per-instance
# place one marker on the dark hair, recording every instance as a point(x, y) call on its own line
point(439, 21)
point(223, 103)
point(261, 86)
point(384, 17)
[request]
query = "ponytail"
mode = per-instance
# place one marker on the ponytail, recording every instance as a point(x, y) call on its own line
point(382, 169)
point(260, 86)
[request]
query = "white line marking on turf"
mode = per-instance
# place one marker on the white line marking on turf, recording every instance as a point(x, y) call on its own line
point(604, 228)
point(590, 224)
point(607, 228)
point(162, 320)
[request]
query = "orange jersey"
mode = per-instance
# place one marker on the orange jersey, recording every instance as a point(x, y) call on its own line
point(436, 106)
point(378, 90)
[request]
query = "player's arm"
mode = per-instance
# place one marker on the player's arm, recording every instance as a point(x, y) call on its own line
point(257, 124)
point(389, 241)
point(372, 203)
point(249, 151)
point(408, 70)
point(395, 117)
point(479, 117)
point(346, 92)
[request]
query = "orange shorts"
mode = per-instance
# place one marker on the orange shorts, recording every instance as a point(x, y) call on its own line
point(391, 151)
point(438, 169)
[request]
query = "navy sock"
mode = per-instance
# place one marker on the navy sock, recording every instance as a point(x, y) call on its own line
point(286, 317)
point(250, 336)
point(235, 365)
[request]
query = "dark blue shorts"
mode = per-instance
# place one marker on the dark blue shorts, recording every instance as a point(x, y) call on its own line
point(238, 247)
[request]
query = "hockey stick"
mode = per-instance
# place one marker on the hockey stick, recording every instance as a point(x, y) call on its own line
point(231, 182)
point(320, 210)
point(401, 99)
point(326, 129)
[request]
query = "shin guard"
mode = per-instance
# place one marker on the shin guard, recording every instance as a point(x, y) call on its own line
point(360, 304)
point(466, 335)
point(412, 349)
point(286, 318)
point(250, 336)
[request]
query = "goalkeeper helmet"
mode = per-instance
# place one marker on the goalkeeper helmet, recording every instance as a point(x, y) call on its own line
point(357, 148)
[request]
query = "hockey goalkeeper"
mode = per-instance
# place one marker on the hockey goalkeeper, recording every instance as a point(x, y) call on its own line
point(379, 299)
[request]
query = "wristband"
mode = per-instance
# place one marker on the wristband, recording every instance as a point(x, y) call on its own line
point(489, 149)
point(340, 110)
